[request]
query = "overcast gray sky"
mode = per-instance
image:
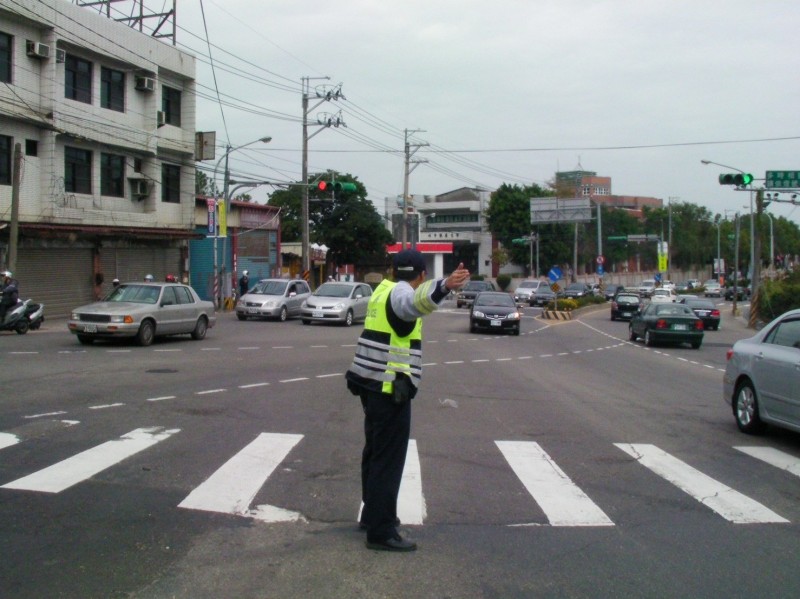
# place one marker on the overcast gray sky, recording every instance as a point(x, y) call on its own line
point(508, 90)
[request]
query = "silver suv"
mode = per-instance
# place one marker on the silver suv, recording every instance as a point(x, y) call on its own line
point(524, 292)
point(273, 298)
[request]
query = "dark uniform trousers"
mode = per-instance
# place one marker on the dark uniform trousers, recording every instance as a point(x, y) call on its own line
point(387, 426)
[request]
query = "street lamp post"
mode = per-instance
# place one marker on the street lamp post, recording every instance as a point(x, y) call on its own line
point(226, 205)
point(771, 242)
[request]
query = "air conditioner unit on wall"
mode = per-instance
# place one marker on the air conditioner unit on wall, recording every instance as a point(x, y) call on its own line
point(61, 55)
point(145, 84)
point(36, 49)
point(161, 118)
point(140, 188)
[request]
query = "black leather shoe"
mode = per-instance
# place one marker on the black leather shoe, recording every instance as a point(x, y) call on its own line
point(363, 525)
point(397, 543)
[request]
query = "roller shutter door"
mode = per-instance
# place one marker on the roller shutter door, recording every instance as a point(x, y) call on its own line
point(132, 264)
point(59, 278)
point(201, 266)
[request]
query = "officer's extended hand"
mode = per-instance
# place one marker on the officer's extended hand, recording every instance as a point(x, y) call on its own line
point(457, 278)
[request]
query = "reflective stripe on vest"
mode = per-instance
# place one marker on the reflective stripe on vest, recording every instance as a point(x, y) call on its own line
point(381, 354)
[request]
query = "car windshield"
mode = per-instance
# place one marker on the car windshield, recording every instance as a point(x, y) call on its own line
point(269, 288)
point(476, 286)
point(334, 290)
point(137, 294)
point(528, 285)
point(673, 310)
point(501, 299)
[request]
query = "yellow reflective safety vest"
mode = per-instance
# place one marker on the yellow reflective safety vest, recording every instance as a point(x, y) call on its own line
point(381, 353)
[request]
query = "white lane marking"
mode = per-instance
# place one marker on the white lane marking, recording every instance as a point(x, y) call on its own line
point(210, 349)
point(22, 353)
point(248, 348)
point(162, 398)
point(209, 391)
point(562, 501)
point(86, 464)
point(455, 362)
point(7, 440)
point(411, 507)
point(318, 346)
point(503, 359)
point(109, 405)
point(251, 385)
point(301, 378)
point(168, 349)
point(46, 414)
point(231, 489)
point(325, 376)
point(726, 502)
point(482, 360)
point(774, 457)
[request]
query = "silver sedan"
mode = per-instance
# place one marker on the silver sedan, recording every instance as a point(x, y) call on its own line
point(144, 311)
point(273, 298)
point(762, 376)
point(342, 302)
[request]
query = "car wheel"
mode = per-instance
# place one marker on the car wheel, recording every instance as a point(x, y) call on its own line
point(472, 328)
point(241, 317)
point(696, 344)
point(283, 315)
point(458, 304)
point(631, 334)
point(348, 318)
point(648, 339)
point(85, 339)
point(515, 332)
point(306, 321)
point(200, 329)
point(22, 326)
point(745, 409)
point(146, 334)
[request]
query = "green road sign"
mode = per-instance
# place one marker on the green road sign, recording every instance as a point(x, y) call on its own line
point(617, 238)
point(783, 179)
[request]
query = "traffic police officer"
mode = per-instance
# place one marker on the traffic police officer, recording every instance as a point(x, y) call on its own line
point(385, 373)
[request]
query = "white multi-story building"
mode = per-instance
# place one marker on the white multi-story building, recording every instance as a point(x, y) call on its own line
point(103, 119)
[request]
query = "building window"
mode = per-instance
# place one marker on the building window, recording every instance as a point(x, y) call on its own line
point(171, 183)
point(112, 175)
point(5, 160)
point(5, 57)
point(31, 147)
point(78, 79)
point(77, 170)
point(112, 89)
point(171, 105)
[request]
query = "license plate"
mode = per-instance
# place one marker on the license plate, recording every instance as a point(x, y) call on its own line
point(317, 314)
point(626, 313)
point(680, 327)
point(90, 328)
point(496, 323)
point(252, 311)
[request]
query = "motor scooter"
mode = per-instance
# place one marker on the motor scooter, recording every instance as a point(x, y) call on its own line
point(16, 318)
point(35, 315)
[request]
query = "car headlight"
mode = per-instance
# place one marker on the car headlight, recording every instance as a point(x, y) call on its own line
point(118, 319)
point(304, 304)
point(269, 304)
point(75, 316)
point(339, 306)
point(513, 316)
point(478, 313)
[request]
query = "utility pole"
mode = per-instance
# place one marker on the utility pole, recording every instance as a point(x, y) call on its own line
point(755, 283)
point(736, 266)
point(13, 233)
point(669, 237)
point(407, 171)
point(330, 95)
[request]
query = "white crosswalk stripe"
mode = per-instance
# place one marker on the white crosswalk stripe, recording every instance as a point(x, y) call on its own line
point(729, 504)
point(231, 489)
point(774, 457)
point(84, 465)
point(562, 501)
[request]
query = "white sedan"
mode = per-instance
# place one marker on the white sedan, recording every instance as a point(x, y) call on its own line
point(663, 296)
point(144, 311)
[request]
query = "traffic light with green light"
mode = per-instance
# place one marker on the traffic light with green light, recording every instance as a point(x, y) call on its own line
point(737, 179)
point(336, 186)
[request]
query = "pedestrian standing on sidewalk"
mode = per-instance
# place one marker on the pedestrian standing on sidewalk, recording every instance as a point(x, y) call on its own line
point(385, 374)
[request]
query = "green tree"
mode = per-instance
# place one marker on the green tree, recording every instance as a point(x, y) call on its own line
point(348, 224)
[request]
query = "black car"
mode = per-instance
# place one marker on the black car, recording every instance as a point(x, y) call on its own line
point(742, 293)
point(544, 295)
point(611, 290)
point(495, 311)
point(470, 290)
point(625, 305)
point(707, 311)
point(576, 290)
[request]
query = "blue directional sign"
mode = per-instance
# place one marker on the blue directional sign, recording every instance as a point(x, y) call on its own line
point(657, 277)
point(555, 274)
point(600, 270)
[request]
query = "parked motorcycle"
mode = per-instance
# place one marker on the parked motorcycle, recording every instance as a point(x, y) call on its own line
point(25, 315)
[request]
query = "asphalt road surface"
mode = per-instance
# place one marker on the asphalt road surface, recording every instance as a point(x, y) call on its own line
point(566, 462)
